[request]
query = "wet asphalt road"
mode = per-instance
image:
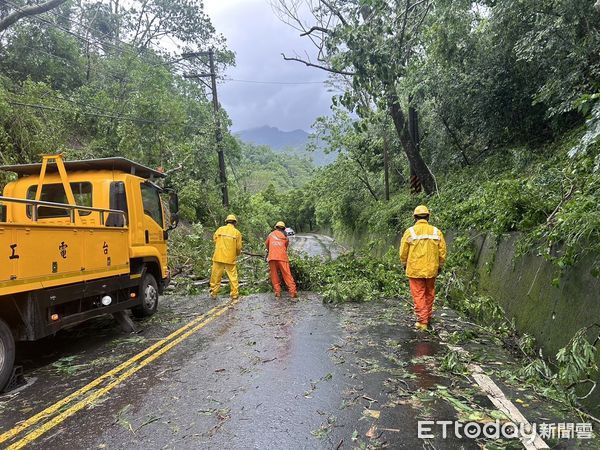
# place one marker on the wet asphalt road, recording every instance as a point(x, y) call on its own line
point(265, 374)
point(316, 245)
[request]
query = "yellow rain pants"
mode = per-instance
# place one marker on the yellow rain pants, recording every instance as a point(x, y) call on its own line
point(216, 275)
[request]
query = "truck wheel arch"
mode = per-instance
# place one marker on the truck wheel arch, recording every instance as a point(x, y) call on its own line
point(14, 313)
point(149, 303)
point(149, 265)
point(7, 353)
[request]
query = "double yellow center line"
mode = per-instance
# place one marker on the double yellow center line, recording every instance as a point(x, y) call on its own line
point(83, 397)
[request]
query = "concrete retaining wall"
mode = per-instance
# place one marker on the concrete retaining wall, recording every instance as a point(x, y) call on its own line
point(524, 288)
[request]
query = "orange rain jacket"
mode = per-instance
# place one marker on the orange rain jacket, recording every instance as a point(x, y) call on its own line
point(228, 244)
point(277, 245)
point(423, 250)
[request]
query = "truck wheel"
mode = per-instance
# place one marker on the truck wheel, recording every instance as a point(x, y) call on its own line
point(7, 354)
point(149, 294)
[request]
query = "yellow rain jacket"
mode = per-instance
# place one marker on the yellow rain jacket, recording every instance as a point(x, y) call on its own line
point(228, 244)
point(422, 250)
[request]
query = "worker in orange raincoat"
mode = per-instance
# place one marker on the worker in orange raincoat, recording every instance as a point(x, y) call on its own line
point(228, 246)
point(423, 254)
point(277, 244)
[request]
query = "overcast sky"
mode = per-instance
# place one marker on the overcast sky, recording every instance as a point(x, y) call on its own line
point(258, 38)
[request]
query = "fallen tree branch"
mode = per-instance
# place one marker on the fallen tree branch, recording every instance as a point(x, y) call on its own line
point(565, 198)
point(256, 255)
point(589, 416)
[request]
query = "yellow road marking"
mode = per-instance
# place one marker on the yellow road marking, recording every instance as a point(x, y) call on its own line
point(58, 405)
point(57, 420)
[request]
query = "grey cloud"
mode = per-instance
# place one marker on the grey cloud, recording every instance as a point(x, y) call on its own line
point(258, 38)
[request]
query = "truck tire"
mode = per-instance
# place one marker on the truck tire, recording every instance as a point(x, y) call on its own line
point(149, 295)
point(7, 354)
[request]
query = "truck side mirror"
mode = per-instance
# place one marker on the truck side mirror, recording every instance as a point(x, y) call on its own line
point(174, 209)
point(173, 202)
point(174, 221)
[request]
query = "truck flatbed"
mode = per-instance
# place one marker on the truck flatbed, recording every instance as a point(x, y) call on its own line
point(120, 164)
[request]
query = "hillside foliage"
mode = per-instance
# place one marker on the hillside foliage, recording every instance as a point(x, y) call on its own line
point(504, 98)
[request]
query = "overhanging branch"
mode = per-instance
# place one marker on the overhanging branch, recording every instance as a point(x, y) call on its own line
point(28, 11)
point(316, 28)
point(335, 11)
point(309, 64)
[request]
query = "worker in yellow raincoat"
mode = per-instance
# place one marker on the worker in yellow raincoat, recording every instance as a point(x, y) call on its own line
point(228, 246)
point(423, 254)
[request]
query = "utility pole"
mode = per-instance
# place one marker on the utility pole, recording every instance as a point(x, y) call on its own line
point(218, 132)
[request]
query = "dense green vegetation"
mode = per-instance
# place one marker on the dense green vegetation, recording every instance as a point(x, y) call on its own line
point(502, 93)
point(93, 80)
point(507, 100)
point(259, 167)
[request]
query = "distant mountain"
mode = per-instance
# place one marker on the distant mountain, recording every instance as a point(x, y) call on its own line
point(274, 137)
point(291, 142)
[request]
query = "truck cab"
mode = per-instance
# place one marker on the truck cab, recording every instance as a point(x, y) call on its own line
point(79, 239)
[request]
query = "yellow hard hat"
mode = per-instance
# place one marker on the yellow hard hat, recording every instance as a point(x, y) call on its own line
point(280, 224)
point(231, 218)
point(421, 210)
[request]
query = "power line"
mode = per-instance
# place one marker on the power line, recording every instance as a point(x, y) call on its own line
point(109, 116)
point(87, 113)
point(275, 82)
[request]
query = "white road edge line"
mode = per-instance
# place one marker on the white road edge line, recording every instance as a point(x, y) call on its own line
point(500, 401)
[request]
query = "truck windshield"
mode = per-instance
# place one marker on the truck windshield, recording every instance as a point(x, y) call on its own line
point(151, 201)
point(82, 191)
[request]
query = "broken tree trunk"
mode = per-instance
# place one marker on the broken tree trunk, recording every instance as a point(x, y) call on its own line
point(415, 160)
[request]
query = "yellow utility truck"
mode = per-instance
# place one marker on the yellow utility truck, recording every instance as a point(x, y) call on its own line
point(78, 239)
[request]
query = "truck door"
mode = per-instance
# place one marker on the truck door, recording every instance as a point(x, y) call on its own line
point(154, 224)
point(106, 248)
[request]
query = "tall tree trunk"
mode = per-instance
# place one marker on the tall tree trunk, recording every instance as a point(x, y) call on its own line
point(386, 167)
point(417, 164)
